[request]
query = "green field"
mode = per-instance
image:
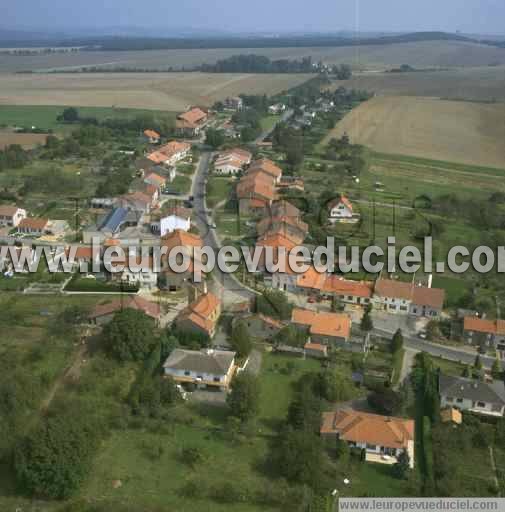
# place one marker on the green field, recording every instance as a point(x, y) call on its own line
point(45, 117)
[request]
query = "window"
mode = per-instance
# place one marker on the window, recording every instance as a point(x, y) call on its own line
point(459, 400)
point(217, 379)
point(371, 447)
point(481, 404)
point(403, 308)
point(187, 372)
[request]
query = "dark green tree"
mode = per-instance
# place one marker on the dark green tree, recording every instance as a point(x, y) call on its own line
point(129, 336)
point(70, 115)
point(397, 341)
point(53, 459)
point(214, 138)
point(244, 399)
point(402, 467)
point(240, 339)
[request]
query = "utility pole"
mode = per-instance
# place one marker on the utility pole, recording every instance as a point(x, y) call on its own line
point(394, 217)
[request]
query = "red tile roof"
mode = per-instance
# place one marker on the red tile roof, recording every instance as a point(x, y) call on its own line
point(199, 312)
point(8, 210)
point(373, 429)
point(151, 134)
point(34, 223)
point(476, 324)
point(323, 324)
point(151, 309)
point(194, 116)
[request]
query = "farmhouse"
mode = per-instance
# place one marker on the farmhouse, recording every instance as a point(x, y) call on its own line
point(204, 368)
point(11, 216)
point(383, 438)
point(152, 137)
point(472, 395)
point(482, 332)
point(103, 313)
point(33, 226)
point(136, 201)
point(170, 153)
point(268, 167)
point(190, 123)
point(340, 210)
point(324, 328)
point(316, 350)
point(201, 316)
point(406, 298)
point(238, 154)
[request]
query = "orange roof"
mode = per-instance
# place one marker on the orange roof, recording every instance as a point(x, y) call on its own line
point(200, 310)
point(451, 415)
point(311, 279)
point(111, 242)
point(268, 222)
point(337, 285)
point(156, 178)
point(157, 157)
point(193, 116)
point(152, 134)
point(150, 190)
point(432, 297)
point(249, 189)
point(8, 210)
point(303, 316)
point(476, 324)
point(393, 289)
point(266, 166)
point(151, 309)
point(331, 324)
point(270, 321)
point(182, 238)
point(323, 324)
point(276, 240)
point(373, 429)
point(34, 223)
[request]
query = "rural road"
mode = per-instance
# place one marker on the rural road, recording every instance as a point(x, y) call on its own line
point(227, 286)
point(266, 133)
point(451, 353)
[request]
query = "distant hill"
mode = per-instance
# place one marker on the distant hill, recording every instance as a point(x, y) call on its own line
point(134, 38)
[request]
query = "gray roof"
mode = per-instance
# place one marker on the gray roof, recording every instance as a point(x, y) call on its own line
point(471, 389)
point(215, 362)
point(114, 220)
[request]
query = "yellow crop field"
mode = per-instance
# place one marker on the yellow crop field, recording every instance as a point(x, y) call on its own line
point(456, 131)
point(157, 91)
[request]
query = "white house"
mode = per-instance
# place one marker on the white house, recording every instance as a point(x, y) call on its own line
point(340, 209)
point(383, 438)
point(228, 166)
point(472, 395)
point(205, 368)
point(11, 216)
point(171, 223)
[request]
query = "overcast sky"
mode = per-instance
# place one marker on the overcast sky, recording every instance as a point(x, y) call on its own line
point(476, 16)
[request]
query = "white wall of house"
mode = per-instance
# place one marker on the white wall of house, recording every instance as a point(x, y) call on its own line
point(477, 406)
point(171, 223)
point(219, 380)
point(227, 169)
point(14, 220)
point(424, 311)
point(393, 305)
point(340, 211)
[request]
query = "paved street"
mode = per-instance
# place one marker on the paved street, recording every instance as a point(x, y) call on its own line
point(266, 133)
point(226, 286)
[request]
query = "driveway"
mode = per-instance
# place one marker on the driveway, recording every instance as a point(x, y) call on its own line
point(254, 364)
